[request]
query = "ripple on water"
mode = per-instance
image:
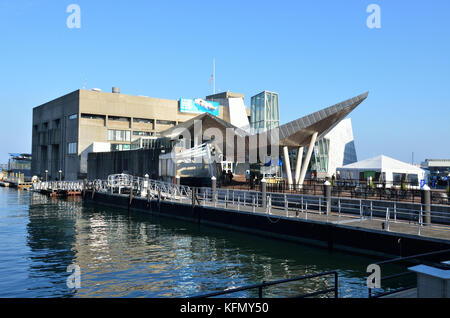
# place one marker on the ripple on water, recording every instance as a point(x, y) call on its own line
point(123, 254)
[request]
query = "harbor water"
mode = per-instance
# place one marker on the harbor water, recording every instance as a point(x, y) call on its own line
point(136, 254)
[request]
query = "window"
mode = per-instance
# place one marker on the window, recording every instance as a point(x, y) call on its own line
point(116, 118)
point(45, 126)
point(119, 135)
point(143, 120)
point(142, 133)
point(74, 116)
point(166, 122)
point(93, 116)
point(398, 178)
point(72, 148)
point(120, 147)
point(413, 179)
point(56, 123)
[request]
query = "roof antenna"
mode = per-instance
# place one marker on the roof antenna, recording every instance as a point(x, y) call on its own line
point(84, 84)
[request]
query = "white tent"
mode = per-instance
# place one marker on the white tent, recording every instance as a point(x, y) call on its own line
point(390, 170)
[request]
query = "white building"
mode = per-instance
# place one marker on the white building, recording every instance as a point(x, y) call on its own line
point(335, 149)
point(383, 169)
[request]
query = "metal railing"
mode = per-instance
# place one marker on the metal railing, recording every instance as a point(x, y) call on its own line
point(414, 259)
point(144, 187)
point(261, 286)
point(393, 191)
point(58, 185)
point(341, 210)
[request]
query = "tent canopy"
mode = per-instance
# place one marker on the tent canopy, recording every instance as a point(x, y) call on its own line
point(381, 164)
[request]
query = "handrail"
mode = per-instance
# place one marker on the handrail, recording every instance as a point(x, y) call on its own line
point(387, 212)
point(402, 274)
point(400, 259)
point(283, 281)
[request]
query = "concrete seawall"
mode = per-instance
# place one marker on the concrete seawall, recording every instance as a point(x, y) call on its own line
point(326, 235)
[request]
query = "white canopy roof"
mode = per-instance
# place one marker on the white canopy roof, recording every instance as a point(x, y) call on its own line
point(382, 164)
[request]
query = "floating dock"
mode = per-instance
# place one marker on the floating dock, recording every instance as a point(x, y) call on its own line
point(362, 236)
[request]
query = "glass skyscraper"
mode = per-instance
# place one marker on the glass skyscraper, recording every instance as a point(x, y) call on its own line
point(265, 112)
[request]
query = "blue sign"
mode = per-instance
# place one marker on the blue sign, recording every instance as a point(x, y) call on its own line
point(199, 106)
point(422, 183)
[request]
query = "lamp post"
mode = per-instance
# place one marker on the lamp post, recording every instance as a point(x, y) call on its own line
point(46, 175)
point(60, 175)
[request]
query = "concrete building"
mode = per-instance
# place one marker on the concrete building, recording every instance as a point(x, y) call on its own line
point(65, 129)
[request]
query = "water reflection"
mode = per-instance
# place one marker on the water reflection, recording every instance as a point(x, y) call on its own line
point(135, 254)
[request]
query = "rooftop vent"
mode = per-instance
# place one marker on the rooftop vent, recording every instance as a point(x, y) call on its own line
point(116, 90)
point(96, 89)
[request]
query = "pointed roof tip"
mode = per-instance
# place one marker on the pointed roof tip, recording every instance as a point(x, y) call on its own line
point(363, 95)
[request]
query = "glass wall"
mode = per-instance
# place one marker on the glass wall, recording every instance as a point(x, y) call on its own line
point(319, 159)
point(265, 113)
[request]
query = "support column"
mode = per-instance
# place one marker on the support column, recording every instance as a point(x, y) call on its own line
point(307, 159)
point(298, 165)
point(426, 205)
point(287, 165)
point(213, 188)
point(264, 193)
point(327, 195)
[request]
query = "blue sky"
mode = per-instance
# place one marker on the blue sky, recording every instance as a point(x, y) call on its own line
point(313, 53)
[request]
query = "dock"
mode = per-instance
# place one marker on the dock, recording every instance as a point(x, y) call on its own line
point(381, 229)
point(363, 226)
point(16, 180)
point(59, 189)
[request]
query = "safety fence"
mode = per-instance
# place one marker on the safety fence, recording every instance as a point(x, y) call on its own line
point(338, 210)
point(406, 192)
point(334, 290)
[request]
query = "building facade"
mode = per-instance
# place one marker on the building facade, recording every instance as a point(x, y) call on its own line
point(65, 129)
point(335, 149)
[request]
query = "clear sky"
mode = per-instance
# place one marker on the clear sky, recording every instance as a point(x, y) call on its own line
point(313, 53)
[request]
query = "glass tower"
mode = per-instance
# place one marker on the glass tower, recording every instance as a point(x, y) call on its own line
point(265, 112)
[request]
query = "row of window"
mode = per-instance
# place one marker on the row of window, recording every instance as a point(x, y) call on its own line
point(126, 119)
point(119, 135)
point(114, 118)
point(125, 135)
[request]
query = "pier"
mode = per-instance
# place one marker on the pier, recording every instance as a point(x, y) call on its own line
point(59, 188)
point(362, 226)
point(15, 180)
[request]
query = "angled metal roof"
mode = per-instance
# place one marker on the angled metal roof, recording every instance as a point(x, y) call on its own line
point(297, 133)
point(207, 120)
